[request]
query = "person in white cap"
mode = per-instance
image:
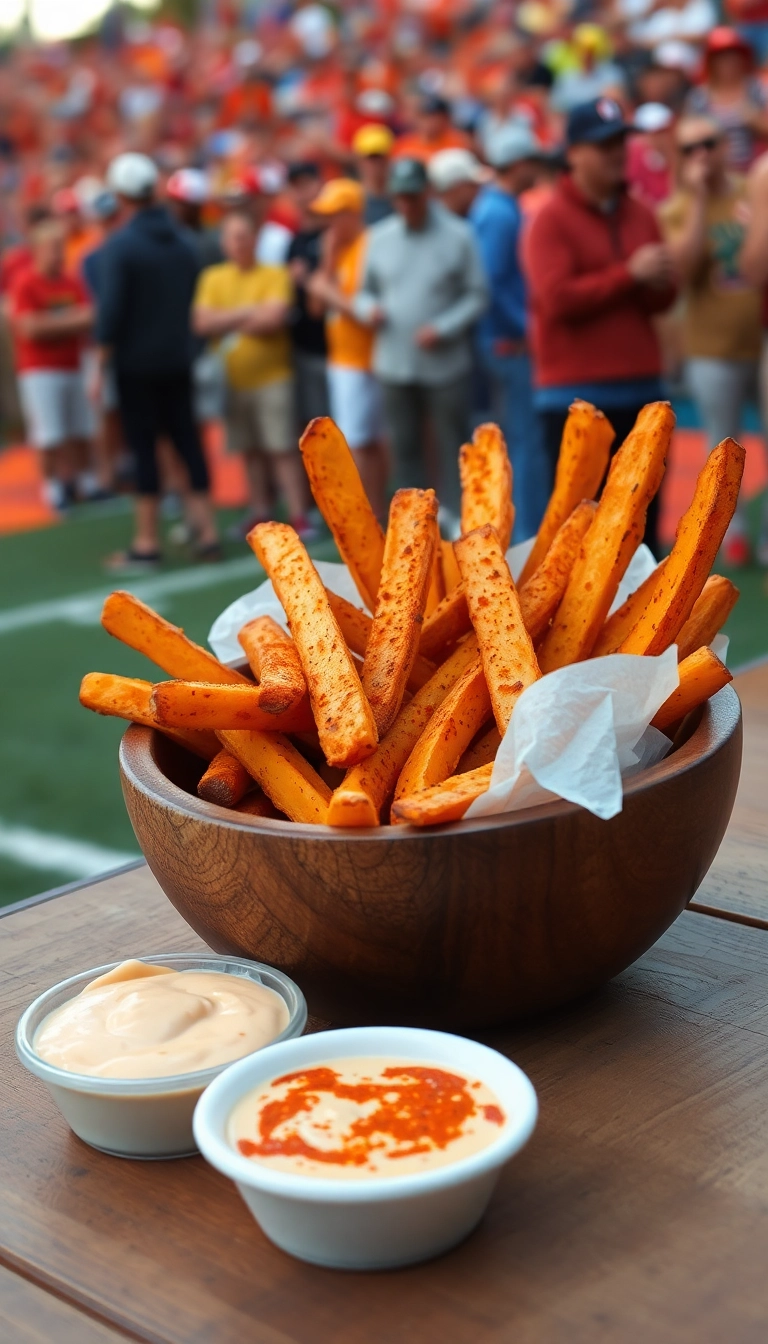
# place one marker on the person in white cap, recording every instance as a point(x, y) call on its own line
point(456, 176)
point(502, 335)
point(147, 282)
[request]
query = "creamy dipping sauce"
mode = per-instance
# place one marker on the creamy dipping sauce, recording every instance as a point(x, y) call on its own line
point(142, 1021)
point(363, 1118)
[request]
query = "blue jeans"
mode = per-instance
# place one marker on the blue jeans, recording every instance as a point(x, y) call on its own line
point(512, 401)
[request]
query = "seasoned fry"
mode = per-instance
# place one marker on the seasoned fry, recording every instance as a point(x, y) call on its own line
point(444, 802)
point(451, 575)
point(132, 621)
point(405, 575)
point(506, 648)
point(465, 709)
point(618, 626)
point(542, 594)
point(355, 626)
point(225, 781)
point(198, 704)
point(584, 450)
point(436, 589)
point(257, 804)
point(486, 483)
point(275, 662)
point(701, 675)
point(711, 610)
point(699, 535)
point(634, 477)
point(445, 627)
point(344, 719)
point(367, 787)
point(130, 698)
point(282, 772)
point(339, 495)
point(480, 752)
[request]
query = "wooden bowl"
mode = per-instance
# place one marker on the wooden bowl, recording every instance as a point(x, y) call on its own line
point(464, 925)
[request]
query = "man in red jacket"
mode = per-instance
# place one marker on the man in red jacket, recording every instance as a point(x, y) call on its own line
point(598, 272)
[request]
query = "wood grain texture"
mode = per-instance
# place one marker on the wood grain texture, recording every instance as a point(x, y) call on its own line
point(638, 1212)
point(460, 925)
point(30, 1315)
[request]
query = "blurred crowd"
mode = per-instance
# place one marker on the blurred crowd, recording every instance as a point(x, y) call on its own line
point(410, 216)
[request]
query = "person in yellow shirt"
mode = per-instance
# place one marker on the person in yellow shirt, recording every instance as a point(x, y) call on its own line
point(354, 391)
point(244, 307)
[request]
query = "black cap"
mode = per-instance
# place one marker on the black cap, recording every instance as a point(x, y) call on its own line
point(591, 123)
point(407, 177)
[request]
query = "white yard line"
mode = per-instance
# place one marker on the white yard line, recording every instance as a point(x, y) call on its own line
point(85, 608)
point(38, 849)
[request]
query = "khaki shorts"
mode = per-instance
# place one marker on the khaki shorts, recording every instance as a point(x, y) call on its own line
point(261, 419)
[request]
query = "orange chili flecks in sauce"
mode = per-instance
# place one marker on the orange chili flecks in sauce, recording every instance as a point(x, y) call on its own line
point(383, 1114)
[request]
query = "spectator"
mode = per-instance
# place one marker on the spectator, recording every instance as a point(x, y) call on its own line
point(423, 289)
point(502, 333)
point(753, 263)
point(433, 132)
point(732, 96)
point(372, 147)
point(246, 307)
point(650, 154)
point(455, 176)
point(587, 69)
point(147, 280)
point(252, 190)
point(355, 393)
point(704, 226)
point(598, 272)
point(51, 314)
point(188, 194)
point(307, 329)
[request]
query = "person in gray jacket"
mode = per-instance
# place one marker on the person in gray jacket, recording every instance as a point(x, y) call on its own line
point(423, 289)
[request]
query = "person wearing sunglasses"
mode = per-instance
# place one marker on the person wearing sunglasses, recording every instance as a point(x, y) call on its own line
point(704, 224)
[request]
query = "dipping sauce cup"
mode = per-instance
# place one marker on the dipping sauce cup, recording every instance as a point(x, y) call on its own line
point(377, 1222)
point(141, 1117)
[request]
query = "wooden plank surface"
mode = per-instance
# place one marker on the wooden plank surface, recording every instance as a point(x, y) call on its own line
point(29, 1315)
point(738, 879)
point(639, 1210)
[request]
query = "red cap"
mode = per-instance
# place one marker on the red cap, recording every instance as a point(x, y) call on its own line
point(727, 39)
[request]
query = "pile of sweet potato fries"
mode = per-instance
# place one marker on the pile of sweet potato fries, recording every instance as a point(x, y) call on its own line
point(358, 720)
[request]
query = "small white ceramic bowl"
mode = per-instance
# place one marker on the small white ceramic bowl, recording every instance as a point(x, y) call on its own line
point(141, 1117)
point(382, 1222)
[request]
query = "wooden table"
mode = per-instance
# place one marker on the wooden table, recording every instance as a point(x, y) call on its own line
point(638, 1212)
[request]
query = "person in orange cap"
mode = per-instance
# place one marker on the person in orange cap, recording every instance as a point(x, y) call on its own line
point(354, 392)
point(372, 147)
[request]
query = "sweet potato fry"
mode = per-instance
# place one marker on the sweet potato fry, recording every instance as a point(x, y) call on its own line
point(480, 752)
point(634, 477)
point(257, 804)
point(542, 594)
point(701, 675)
point(586, 443)
point(339, 495)
point(344, 719)
point(444, 802)
point(436, 589)
point(367, 787)
point(451, 575)
point(446, 626)
point(618, 626)
point(462, 713)
point(132, 621)
point(699, 535)
point(405, 576)
point(282, 772)
point(130, 698)
point(711, 610)
point(198, 704)
point(275, 662)
point(486, 483)
point(506, 648)
point(225, 781)
point(355, 626)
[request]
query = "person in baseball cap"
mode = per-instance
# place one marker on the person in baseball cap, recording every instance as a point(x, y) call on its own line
point(455, 176)
point(188, 191)
point(133, 176)
point(502, 332)
point(596, 123)
point(372, 147)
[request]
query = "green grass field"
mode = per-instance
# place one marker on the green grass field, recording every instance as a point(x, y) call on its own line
point(61, 808)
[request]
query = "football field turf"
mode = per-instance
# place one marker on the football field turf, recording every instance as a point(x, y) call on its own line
point(61, 810)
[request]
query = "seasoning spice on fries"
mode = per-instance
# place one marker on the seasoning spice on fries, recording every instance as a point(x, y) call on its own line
point(444, 802)
point(283, 773)
point(200, 704)
point(465, 709)
point(701, 675)
point(482, 751)
point(130, 698)
point(355, 626)
point(618, 626)
point(132, 621)
point(486, 484)
point(225, 781)
point(274, 661)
